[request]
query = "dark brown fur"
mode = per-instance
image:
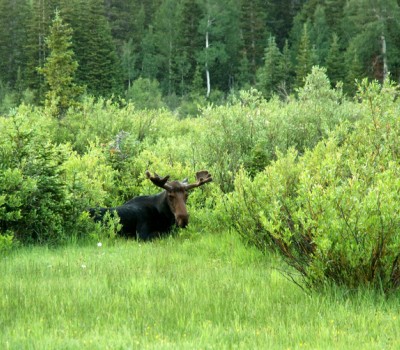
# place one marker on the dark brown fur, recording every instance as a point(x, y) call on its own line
point(147, 217)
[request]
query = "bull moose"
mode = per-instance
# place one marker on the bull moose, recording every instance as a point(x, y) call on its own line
point(147, 217)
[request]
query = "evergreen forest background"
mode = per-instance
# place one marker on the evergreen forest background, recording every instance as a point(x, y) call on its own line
point(185, 53)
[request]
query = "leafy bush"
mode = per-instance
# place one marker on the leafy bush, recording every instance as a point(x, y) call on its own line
point(40, 196)
point(252, 131)
point(145, 94)
point(333, 213)
point(30, 182)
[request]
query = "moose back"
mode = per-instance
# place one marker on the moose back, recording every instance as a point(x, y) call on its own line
point(147, 217)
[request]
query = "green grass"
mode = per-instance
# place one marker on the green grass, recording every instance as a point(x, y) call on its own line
point(208, 292)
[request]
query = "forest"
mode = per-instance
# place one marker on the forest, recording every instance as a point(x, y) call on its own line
point(193, 52)
point(292, 106)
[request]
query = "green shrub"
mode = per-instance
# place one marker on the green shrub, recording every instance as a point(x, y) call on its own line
point(333, 213)
point(41, 197)
point(252, 131)
point(6, 242)
point(145, 94)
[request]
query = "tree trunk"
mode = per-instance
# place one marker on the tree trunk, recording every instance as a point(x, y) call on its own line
point(384, 58)
point(207, 70)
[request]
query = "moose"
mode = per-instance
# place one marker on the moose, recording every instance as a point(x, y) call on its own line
point(147, 217)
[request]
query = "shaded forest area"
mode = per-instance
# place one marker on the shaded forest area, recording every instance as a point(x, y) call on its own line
point(196, 50)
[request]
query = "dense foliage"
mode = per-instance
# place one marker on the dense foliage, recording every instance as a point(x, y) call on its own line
point(333, 212)
point(314, 177)
point(191, 50)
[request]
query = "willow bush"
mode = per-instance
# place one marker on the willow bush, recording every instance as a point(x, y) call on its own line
point(251, 131)
point(333, 212)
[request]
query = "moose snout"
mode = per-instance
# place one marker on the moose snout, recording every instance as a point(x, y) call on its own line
point(182, 220)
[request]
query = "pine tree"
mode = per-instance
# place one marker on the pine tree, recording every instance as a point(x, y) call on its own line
point(373, 27)
point(354, 72)
point(13, 32)
point(99, 67)
point(166, 37)
point(59, 68)
point(321, 34)
point(279, 18)
point(244, 76)
point(334, 9)
point(38, 24)
point(190, 41)
point(151, 61)
point(269, 76)
point(286, 67)
point(334, 62)
point(253, 30)
point(305, 57)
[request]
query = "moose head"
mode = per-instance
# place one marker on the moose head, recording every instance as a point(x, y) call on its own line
point(147, 217)
point(176, 193)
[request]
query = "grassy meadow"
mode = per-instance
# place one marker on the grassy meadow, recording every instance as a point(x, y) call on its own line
point(188, 292)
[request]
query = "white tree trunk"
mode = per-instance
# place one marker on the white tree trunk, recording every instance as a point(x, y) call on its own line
point(207, 70)
point(384, 58)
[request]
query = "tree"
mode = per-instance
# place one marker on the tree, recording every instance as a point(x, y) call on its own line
point(99, 67)
point(373, 26)
point(286, 67)
point(253, 30)
point(13, 32)
point(354, 72)
point(38, 24)
point(59, 68)
point(151, 61)
point(321, 34)
point(145, 94)
point(166, 37)
point(128, 60)
point(335, 10)
point(269, 76)
point(304, 57)
point(190, 42)
point(279, 18)
point(334, 61)
point(212, 28)
point(244, 76)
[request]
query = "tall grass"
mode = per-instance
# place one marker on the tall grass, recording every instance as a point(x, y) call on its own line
point(207, 292)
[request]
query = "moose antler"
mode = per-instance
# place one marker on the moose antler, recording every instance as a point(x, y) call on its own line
point(202, 177)
point(159, 181)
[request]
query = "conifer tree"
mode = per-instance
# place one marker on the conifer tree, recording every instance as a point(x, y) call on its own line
point(334, 62)
point(244, 76)
point(321, 34)
point(269, 76)
point(190, 40)
point(38, 24)
point(99, 68)
point(13, 31)
point(253, 31)
point(354, 71)
point(286, 68)
point(305, 56)
point(373, 27)
point(166, 37)
point(59, 68)
point(151, 58)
